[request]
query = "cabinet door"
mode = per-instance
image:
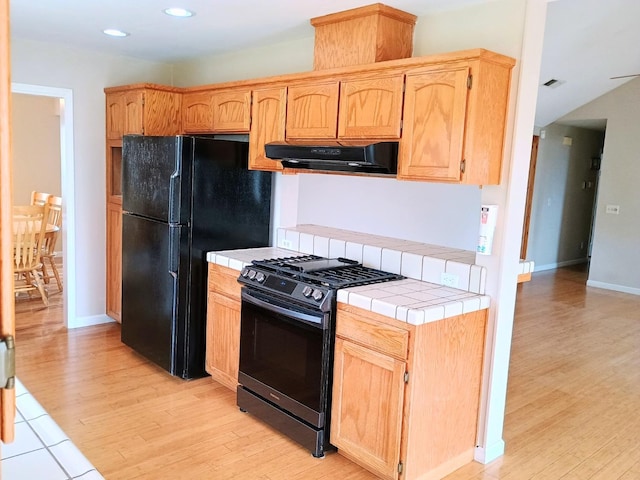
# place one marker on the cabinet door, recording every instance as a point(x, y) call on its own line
point(366, 416)
point(435, 103)
point(114, 260)
point(268, 121)
point(371, 108)
point(232, 111)
point(312, 111)
point(115, 115)
point(223, 339)
point(134, 112)
point(197, 112)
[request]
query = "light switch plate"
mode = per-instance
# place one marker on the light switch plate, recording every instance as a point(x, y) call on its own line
point(449, 280)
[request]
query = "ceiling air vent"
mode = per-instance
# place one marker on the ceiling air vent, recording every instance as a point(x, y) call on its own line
point(551, 82)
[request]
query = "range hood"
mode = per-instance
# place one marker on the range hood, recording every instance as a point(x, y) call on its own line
point(378, 158)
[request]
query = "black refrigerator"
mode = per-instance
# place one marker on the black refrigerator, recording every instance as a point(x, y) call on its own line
point(182, 196)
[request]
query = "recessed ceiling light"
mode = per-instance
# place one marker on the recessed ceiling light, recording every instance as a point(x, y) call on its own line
point(113, 32)
point(178, 12)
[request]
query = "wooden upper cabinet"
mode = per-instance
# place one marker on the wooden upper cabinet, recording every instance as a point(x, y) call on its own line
point(115, 115)
point(268, 112)
point(134, 102)
point(435, 107)
point(371, 108)
point(312, 111)
point(142, 111)
point(455, 120)
point(125, 113)
point(232, 111)
point(216, 111)
point(197, 112)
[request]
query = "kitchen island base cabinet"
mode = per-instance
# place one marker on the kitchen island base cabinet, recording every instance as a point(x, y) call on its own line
point(406, 397)
point(223, 326)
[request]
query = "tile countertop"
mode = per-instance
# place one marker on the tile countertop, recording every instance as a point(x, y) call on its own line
point(409, 300)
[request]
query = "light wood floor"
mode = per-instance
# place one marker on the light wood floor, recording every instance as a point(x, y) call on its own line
point(572, 404)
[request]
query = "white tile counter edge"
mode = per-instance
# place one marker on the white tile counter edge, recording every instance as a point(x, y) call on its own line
point(410, 300)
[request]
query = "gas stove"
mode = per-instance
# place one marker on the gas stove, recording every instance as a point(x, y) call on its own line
point(310, 280)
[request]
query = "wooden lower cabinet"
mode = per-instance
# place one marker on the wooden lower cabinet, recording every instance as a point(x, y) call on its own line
point(405, 397)
point(114, 260)
point(223, 326)
point(358, 371)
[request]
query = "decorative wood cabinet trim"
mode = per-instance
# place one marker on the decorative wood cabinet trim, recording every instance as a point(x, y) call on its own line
point(371, 108)
point(312, 111)
point(268, 112)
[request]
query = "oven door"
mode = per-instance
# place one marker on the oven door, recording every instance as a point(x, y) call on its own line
point(285, 355)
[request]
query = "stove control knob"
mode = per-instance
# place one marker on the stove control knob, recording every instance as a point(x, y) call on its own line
point(260, 277)
point(252, 274)
point(317, 295)
point(307, 291)
point(245, 272)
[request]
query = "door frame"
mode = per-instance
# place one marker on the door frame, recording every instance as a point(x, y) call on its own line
point(67, 163)
point(7, 312)
point(529, 201)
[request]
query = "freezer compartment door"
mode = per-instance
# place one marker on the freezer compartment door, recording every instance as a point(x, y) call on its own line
point(156, 177)
point(155, 290)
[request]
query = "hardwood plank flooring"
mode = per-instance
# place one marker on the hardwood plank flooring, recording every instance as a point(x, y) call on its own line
point(572, 401)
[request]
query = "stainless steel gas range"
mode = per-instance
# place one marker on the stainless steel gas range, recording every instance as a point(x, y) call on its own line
point(287, 339)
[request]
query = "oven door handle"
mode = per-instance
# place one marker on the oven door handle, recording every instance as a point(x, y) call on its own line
point(246, 297)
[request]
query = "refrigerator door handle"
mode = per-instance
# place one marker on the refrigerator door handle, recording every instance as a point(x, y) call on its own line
point(174, 204)
point(174, 250)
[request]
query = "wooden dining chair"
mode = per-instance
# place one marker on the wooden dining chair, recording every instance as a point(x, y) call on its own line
point(29, 226)
point(39, 198)
point(48, 254)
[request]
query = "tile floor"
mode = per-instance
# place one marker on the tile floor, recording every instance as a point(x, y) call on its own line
point(41, 450)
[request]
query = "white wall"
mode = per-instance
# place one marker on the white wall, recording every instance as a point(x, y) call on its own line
point(561, 210)
point(615, 254)
point(410, 210)
point(35, 130)
point(86, 74)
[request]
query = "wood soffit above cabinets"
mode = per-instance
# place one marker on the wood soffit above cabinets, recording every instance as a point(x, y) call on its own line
point(390, 66)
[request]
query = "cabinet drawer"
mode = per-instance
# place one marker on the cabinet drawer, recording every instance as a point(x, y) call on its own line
point(373, 334)
point(224, 280)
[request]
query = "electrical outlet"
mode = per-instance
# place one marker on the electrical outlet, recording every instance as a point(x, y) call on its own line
point(287, 244)
point(449, 280)
point(614, 209)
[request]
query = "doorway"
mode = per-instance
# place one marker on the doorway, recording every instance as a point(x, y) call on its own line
point(561, 196)
point(65, 101)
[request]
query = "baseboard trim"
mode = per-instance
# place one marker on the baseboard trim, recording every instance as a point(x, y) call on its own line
point(486, 455)
point(89, 321)
point(613, 286)
point(552, 266)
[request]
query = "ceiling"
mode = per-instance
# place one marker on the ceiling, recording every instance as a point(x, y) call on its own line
point(586, 41)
